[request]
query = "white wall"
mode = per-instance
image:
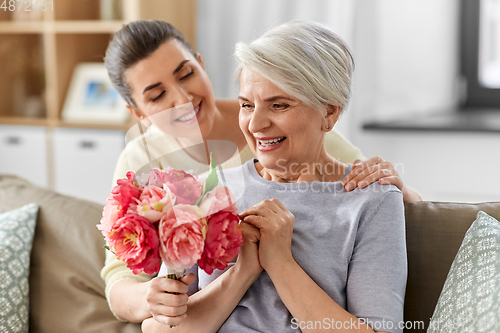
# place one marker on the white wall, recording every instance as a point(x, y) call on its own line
point(408, 66)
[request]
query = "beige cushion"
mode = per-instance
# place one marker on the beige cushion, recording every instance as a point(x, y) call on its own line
point(66, 290)
point(434, 232)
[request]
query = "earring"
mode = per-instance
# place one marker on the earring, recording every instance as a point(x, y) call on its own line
point(327, 127)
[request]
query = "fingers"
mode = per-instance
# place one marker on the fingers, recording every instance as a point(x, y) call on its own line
point(250, 233)
point(369, 171)
point(372, 175)
point(167, 299)
point(162, 284)
point(188, 279)
point(266, 208)
point(268, 214)
point(171, 321)
point(394, 180)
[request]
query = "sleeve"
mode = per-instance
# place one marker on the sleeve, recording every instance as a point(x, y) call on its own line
point(115, 270)
point(121, 168)
point(341, 149)
point(377, 272)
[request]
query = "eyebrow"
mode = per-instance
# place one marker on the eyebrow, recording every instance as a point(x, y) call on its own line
point(180, 66)
point(154, 85)
point(270, 99)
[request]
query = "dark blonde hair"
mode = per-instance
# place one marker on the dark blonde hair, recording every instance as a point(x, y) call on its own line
point(134, 42)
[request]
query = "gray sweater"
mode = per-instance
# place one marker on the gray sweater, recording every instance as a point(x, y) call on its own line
point(352, 244)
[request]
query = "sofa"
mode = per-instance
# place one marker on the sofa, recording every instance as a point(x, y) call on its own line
point(67, 293)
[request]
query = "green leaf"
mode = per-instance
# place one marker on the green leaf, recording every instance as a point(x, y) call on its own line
point(212, 179)
point(211, 182)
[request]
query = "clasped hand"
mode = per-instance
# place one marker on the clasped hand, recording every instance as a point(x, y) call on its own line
point(274, 223)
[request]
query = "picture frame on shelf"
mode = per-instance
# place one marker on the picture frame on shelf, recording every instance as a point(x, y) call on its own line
point(92, 98)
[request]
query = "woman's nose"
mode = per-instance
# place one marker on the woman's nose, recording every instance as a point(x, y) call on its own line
point(259, 120)
point(180, 96)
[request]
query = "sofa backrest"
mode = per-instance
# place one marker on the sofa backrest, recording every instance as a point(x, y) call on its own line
point(67, 293)
point(434, 232)
point(66, 290)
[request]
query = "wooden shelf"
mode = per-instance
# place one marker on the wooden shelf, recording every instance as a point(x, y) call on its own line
point(24, 121)
point(21, 27)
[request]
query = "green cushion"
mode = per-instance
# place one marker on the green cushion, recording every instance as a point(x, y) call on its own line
point(16, 236)
point(470, 299)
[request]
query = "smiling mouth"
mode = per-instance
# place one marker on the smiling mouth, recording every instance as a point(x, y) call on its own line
point(266, 143)
point(189, 115)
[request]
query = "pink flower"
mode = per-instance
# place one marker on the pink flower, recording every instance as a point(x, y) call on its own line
point(182, 234)
point(154, 202)
point(135, 241)
point(220, 198)
point(143, 179)
point(131, 178)
point(223, 239)
point(125, 194)
point(185, 186)
point(110, 214)
point(155, 178)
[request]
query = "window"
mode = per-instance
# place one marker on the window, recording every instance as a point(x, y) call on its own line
point(480, 52)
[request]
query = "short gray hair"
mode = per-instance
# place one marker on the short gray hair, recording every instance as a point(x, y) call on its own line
point(305, 59)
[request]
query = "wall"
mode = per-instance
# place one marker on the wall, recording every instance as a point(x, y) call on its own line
point(407, 66)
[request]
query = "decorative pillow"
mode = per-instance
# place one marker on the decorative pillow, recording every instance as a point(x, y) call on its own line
point(17, 228)
point(470, 299)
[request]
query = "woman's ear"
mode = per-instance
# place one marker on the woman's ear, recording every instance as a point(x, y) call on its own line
point(139, 115)
point(332, 116)
point(200, 60)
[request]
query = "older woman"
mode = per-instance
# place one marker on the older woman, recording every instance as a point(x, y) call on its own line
point(157, 72)
point(316, 257)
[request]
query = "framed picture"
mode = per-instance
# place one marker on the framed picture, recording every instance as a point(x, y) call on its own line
point(92, 98)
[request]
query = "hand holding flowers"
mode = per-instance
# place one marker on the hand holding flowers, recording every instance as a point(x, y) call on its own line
point(173, 216)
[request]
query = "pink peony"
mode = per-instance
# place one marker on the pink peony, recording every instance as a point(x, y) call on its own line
point(182, 234)
point(131, 178)
point(110, 214)
point(154, 202)
point(185, 186)
point(125, 194)
point(223, 239)
point(155, 178)
point(142, 179)
point(135, 241)
point(220, 198)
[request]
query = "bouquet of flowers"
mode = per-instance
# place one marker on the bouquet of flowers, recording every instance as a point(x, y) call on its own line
point(171, 216)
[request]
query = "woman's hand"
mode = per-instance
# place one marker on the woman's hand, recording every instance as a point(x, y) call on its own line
point(167, 299)
point(364, 173)
point(275, 223)
point(249, 251)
